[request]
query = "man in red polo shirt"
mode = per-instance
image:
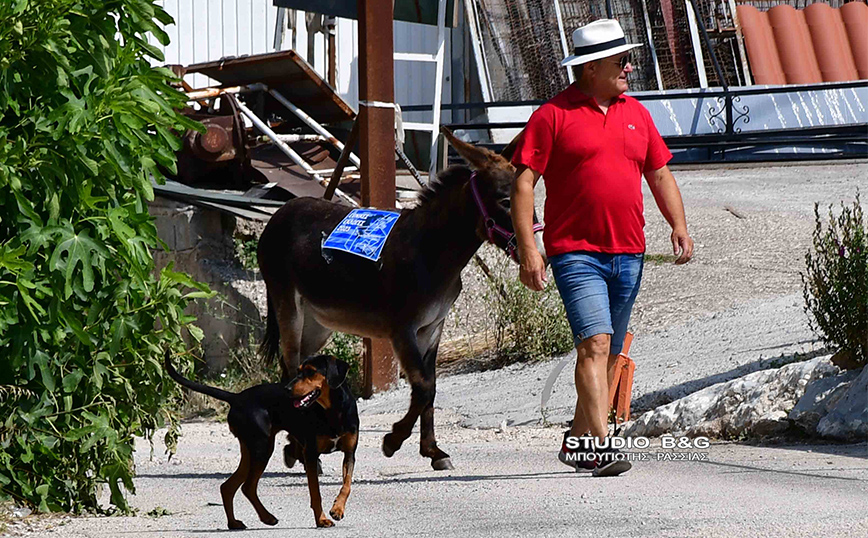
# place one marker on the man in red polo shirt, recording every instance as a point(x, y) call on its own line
point(593, 144)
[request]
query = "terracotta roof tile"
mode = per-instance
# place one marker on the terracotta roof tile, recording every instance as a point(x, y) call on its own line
point(816, 44)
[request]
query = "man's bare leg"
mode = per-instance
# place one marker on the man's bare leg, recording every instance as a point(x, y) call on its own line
point(592, 365)
point(580, 425)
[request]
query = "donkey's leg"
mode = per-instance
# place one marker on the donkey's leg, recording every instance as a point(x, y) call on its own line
point(290, 319)
point(421, 391)
point(427, 443)
point(313, 335)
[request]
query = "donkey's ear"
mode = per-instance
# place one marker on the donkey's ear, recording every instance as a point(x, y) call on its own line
point(476, 157)
point(509, 150)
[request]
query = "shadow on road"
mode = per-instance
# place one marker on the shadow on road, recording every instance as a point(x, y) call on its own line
point(336, 480)
point(747, 468)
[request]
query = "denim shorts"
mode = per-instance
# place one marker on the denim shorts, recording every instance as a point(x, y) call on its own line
point(598, 291)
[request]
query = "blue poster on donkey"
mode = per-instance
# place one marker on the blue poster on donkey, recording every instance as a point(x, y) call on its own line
point(363, 232)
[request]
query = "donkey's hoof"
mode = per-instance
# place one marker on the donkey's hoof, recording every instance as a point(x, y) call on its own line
point(387, 450)
point(443, 464)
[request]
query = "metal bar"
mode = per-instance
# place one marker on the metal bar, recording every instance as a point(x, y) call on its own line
point(330, 171)
point(377, 132)
point(651, 45)
point(706, 92)
point(279, 28)
point(288, 151)
point(210, 93)
point(478, 51)
point(438, 87)
point(488, 125)
point(417, 126)
point(310, 122)
point(412, 169)
point(707, 40)
point(331, 24)
point(739, 38)
point(290, 138)
point(717, 69)
point(342, 161)
point(179, 189)
point(610, 14)
point(783, 142)
point(697, 49)
point(415, 57)
point(563, 37)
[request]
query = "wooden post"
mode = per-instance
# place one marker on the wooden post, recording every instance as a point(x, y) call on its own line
point(377, 133)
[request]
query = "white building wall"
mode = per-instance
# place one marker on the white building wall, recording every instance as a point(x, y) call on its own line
point(414, 81)
point(207, 30)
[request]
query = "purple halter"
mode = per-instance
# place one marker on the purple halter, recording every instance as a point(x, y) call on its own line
point(493, 228)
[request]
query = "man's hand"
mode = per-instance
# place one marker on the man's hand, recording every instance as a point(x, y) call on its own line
point(668, 198)
point(682, 245)
point(533, 269)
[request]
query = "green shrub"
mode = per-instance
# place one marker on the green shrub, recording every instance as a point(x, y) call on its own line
point(836, 281)
point(245, 251)
point(84, 321)
point(528, 325)
point(349, 348)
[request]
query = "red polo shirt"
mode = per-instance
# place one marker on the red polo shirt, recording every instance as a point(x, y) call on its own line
point(593, 165)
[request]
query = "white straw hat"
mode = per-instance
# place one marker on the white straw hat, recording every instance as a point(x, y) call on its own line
point(599, 39)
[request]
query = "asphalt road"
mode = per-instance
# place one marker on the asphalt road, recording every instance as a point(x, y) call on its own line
point(504, 484)
point(726, 313)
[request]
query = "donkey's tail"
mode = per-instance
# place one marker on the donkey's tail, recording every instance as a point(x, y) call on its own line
point(198, 387)
point(270, 348)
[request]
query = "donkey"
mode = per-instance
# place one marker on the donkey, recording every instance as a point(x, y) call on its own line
point(405, 296)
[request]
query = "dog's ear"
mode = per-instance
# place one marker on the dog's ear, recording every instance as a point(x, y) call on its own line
point(336, 372)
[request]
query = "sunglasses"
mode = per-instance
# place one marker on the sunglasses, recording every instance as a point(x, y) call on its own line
point(622, 61)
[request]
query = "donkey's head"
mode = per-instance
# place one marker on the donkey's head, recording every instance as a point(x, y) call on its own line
point(491, 186)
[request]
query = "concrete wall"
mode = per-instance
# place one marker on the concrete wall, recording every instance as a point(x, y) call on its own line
point(200, 243)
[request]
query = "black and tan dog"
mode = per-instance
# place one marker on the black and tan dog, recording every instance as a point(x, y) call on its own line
point(316, 409)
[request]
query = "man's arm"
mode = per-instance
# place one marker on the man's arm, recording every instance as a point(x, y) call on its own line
point(533, 271)
point(668, 198)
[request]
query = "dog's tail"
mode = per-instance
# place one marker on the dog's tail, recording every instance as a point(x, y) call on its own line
point(214, 392)
point(270, 348)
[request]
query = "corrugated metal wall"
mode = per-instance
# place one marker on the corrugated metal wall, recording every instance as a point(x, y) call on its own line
point(207, 30)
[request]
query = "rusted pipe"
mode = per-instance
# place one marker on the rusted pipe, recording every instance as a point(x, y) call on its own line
point(210, 93)
point(289, 152)
point(310, 122)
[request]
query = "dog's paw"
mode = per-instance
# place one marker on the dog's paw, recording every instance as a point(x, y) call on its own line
point(324, 522)
point(269, 520)
point(237, 525)
point(337, 512)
